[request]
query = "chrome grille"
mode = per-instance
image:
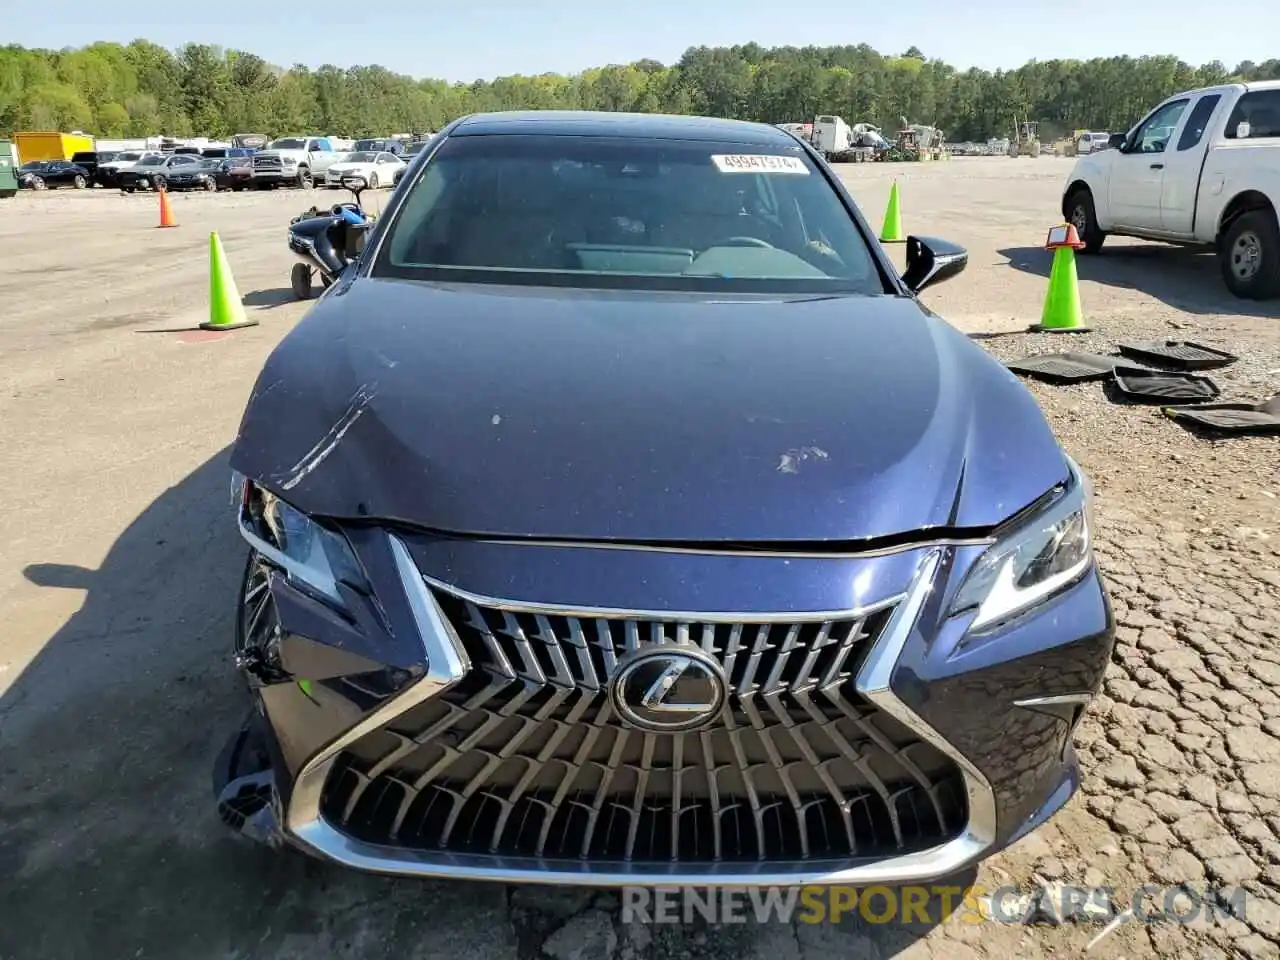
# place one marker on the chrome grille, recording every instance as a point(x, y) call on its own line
point(267, 163)
point(526, 757)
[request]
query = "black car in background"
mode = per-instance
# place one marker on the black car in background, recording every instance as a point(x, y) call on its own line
point(231, 173)
point(51, 174)
point(179, 171)
point(376, 146)
point(92, 161)
point(224, 153)
point(411, 151)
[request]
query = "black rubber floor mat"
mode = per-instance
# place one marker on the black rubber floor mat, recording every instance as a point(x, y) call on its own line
point(1233, 418)
point(1178, 355)
point(1069, 367)
point(1156, 386)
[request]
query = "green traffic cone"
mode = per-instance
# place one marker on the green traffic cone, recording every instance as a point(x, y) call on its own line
point(226, 311)
point(1062, 311)
point(892, 230)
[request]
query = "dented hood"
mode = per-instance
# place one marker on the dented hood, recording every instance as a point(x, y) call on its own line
point(568, 414)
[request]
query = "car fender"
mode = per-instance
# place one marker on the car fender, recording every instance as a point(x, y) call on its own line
point(1093, 170)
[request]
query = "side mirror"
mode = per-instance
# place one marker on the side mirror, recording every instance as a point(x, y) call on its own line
point(931, 261)
point(1117, 141)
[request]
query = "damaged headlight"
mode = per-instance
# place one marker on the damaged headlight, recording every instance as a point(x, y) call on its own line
point(1031, 562)
point(310, 554)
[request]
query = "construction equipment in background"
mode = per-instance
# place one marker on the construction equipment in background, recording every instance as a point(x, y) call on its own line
point(913, 142)
point(1026, 139)
point(839, 142)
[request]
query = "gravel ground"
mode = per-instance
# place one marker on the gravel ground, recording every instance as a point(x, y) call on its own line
point(118, 565)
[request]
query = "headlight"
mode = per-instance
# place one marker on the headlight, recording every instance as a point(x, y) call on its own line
point(1034, 560)
point(310, 554)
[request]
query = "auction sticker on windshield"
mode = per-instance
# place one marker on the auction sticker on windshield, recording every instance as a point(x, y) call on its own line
point(758, 163)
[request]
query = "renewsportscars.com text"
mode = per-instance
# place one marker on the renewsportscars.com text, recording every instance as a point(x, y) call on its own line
point(932, 904)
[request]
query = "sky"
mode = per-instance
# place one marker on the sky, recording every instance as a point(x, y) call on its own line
point(465, 40)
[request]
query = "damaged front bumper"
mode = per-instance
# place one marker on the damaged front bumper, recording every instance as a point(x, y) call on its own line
point(372, 707)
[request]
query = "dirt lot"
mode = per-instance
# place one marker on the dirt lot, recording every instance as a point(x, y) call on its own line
point(118, 564)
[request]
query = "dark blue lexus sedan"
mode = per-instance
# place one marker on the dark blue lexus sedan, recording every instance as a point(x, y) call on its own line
point(620, 515)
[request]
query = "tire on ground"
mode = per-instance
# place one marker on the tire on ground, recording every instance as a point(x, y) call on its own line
point(1249, 255)
point(1081, 213)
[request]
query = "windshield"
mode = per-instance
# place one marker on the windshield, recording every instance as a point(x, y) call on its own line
point(360, 156)
point(129, 156)
point(627, 213)
point(35, 165)
point(369, 144)
point(289, 143)
point(152, 161)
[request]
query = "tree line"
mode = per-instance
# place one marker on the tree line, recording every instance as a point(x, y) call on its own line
point(142, 89)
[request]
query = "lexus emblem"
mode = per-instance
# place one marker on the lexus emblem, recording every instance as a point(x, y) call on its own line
point(669, 689)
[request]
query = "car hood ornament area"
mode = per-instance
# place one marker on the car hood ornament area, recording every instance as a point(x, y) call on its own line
point(669, 689)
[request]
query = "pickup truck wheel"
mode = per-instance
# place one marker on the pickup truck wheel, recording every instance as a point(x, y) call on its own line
point(1249, 255)
point(1081, 215)
point(304, 178)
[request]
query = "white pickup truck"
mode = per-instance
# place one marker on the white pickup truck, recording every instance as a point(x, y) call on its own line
point(293, 160)
point(1201, 168)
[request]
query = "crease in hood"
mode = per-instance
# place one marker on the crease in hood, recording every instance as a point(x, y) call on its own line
point(565, 414)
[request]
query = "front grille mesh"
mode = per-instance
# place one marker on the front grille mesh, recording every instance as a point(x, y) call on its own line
point(526, 756)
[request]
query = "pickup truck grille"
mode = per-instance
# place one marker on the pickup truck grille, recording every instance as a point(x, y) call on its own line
point(267, 163)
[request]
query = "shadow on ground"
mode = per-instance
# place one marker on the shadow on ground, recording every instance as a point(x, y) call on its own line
point(109, 843)
point(1185, 278)
point(273, 297)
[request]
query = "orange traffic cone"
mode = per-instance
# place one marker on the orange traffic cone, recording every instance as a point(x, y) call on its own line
point(166, 211)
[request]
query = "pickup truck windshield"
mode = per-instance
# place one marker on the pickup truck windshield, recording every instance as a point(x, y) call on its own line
point(627, 213)
point(289, 143)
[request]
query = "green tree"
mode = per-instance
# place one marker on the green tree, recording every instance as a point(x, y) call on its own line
point(140, 89)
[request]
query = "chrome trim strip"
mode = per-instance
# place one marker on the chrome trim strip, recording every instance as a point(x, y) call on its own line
point(781, 553)
point(1062, 698)
point(447, 663)
point(873, 682)
point(307, 826)
point(664, 616)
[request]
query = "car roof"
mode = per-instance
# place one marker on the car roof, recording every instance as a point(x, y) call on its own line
point(647, 126)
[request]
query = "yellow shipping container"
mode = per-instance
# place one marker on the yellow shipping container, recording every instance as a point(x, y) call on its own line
point(50, 145)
